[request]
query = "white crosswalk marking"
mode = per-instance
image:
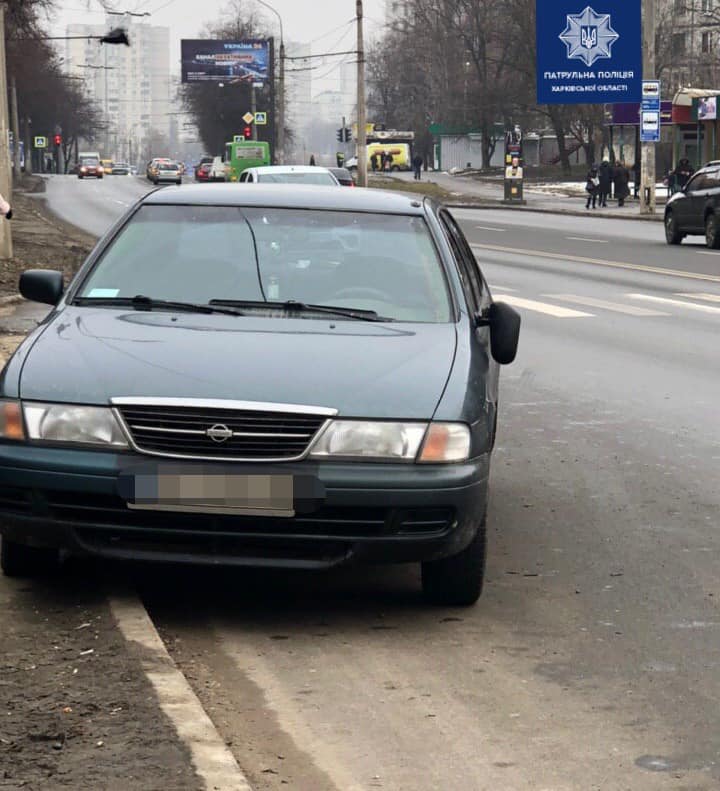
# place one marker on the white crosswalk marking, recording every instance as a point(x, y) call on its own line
point(542, 307)
point(700, 295)
point(501, 288)
point(591, 302)
point(679, 302)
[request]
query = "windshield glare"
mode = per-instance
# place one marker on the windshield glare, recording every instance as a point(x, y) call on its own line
point(383, 263)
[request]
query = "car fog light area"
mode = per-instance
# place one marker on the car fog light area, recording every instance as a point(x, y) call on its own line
point(89, 425)
point(356, 439)
point(446, 442)
point(11, 424)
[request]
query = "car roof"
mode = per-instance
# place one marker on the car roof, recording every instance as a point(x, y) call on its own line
point(290, 196)
point(290, 169)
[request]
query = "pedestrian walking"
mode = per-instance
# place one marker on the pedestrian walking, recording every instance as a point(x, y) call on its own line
point(5, 209)
point(388, 161)
point(312, 160)
point(621, 178)
point(592, 184)
point(636, 179)
point(683, 171)
point(417, 163)
point(374, 161)
point(605, 176)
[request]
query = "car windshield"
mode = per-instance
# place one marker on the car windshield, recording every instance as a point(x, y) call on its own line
point(375, 262)
point(296, 178)
point(167, 166)
point(90, 162)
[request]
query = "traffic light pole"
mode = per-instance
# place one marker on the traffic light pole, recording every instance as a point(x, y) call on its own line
point(361, 113)
point(5, 179)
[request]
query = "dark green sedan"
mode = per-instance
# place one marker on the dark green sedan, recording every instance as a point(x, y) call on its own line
point(279, 376)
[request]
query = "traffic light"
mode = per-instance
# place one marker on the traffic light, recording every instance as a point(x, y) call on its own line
point(346, 134)
point(57, 140)
point(247, 132)
point(340, 135)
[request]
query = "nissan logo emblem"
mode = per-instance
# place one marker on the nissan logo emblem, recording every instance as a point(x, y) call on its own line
point(219, 433)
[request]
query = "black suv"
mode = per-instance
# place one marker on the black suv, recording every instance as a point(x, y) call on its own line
point(696, 208)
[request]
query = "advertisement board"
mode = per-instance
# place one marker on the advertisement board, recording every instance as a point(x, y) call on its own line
point(588, 55)
point(707, 108)
point(210, 60)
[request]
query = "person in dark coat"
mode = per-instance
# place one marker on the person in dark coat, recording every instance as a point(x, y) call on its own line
point(417, 163)
point(683, 171)
point(312, 160)
point(621, 179)
point(605, 176)
point(636, 179)
point(374, 162)
point(592, 184)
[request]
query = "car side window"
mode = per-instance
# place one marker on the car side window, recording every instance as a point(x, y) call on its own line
point(243, 176)
point(698, 182)
point(469, 270)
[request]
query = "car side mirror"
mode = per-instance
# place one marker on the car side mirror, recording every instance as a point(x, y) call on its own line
point(42, 285)
point(504, 323)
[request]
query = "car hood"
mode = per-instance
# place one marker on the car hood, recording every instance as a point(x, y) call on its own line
point(363, 369)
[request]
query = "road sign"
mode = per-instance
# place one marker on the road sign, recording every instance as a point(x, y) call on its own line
point(650, 126)
point(248, 118)
point(260, 118)
point(651, 96)
point(40, 142)
point(588, 56)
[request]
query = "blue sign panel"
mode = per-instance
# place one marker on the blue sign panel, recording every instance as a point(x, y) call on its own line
point(588, 54)
point(651, 95)
point(209, 60)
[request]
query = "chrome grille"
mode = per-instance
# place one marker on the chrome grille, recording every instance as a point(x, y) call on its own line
point(220, 433)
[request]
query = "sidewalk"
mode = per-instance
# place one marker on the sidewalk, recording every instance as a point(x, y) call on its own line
point(478, 193)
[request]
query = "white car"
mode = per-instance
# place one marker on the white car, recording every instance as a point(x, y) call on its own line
point(289, 174)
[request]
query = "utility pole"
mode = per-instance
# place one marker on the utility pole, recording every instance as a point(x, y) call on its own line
point(647, 157)
point(5, 180)
point(15, 128)
point(280, 154)
point(361, 115)
point(253, 110)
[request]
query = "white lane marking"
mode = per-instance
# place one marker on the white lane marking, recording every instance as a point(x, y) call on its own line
point(542, 307)
point(591, 302)
point(213, 761)
point(706, 252)
point(678, 302)
point(700, 295)
point(490, 228)
point(501, 288)
point(585, 239)
point(568, 258)
point(121, 202)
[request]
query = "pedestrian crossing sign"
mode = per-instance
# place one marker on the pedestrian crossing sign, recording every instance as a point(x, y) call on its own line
point(40, 142)
point(260, 118)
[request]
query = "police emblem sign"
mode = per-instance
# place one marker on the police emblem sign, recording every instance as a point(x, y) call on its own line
point(588, 54)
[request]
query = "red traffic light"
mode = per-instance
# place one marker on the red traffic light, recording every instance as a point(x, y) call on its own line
point(57, 140)
point(247, 132)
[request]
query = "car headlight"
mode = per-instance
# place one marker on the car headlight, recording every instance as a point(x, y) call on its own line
point(89, 425)
point(358, 439)
point(11, 422)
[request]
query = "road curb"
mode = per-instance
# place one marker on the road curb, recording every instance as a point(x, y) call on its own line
point(12, 299)
point(213, 761)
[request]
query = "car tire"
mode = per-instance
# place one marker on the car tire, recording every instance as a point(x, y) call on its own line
point(80, 177)
point(672, 234)
point(457, 580)
point(19, 560)
point(712, 231)
point(179, 182)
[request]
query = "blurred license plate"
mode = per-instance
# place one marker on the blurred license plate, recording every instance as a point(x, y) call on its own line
point(244, 495)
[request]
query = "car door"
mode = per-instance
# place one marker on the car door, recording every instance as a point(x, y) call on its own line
point(692, 215)
point(477, 292)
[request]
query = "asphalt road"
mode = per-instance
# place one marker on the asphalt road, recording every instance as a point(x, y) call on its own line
point(592, 660)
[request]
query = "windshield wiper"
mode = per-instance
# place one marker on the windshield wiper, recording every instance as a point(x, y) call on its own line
point(303, 307)
point(142, 302)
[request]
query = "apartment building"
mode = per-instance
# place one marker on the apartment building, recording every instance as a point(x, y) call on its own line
point(688, 40)
point(131, 86)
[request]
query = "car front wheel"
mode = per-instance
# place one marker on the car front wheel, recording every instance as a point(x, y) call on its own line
point(19, 560)
point(457, 580)
point(712, 232)
point(672, 234)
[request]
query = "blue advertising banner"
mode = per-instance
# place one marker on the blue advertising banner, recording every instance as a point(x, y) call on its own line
point(210, 60)
point(588, 54)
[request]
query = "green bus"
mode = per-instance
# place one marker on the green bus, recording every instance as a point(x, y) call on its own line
point(242, 154)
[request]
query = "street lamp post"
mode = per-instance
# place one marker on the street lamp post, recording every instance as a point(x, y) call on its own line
point(280, 154)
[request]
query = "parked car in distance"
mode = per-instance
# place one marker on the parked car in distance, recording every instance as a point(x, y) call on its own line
point(344, 176)
point(120, 169)
point(90, 168)
point(289, 174)
point(167, 172)
point(202, 172)
point(695, 209)
point(206, 431)
point(202, 161)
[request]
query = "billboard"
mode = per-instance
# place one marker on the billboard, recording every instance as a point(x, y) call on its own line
point(210, 60)
point(707, 108)
point(586, 54)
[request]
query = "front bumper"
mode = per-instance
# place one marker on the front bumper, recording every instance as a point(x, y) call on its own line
point(75, 500)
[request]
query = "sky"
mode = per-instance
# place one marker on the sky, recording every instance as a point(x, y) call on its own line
point(325, 22)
